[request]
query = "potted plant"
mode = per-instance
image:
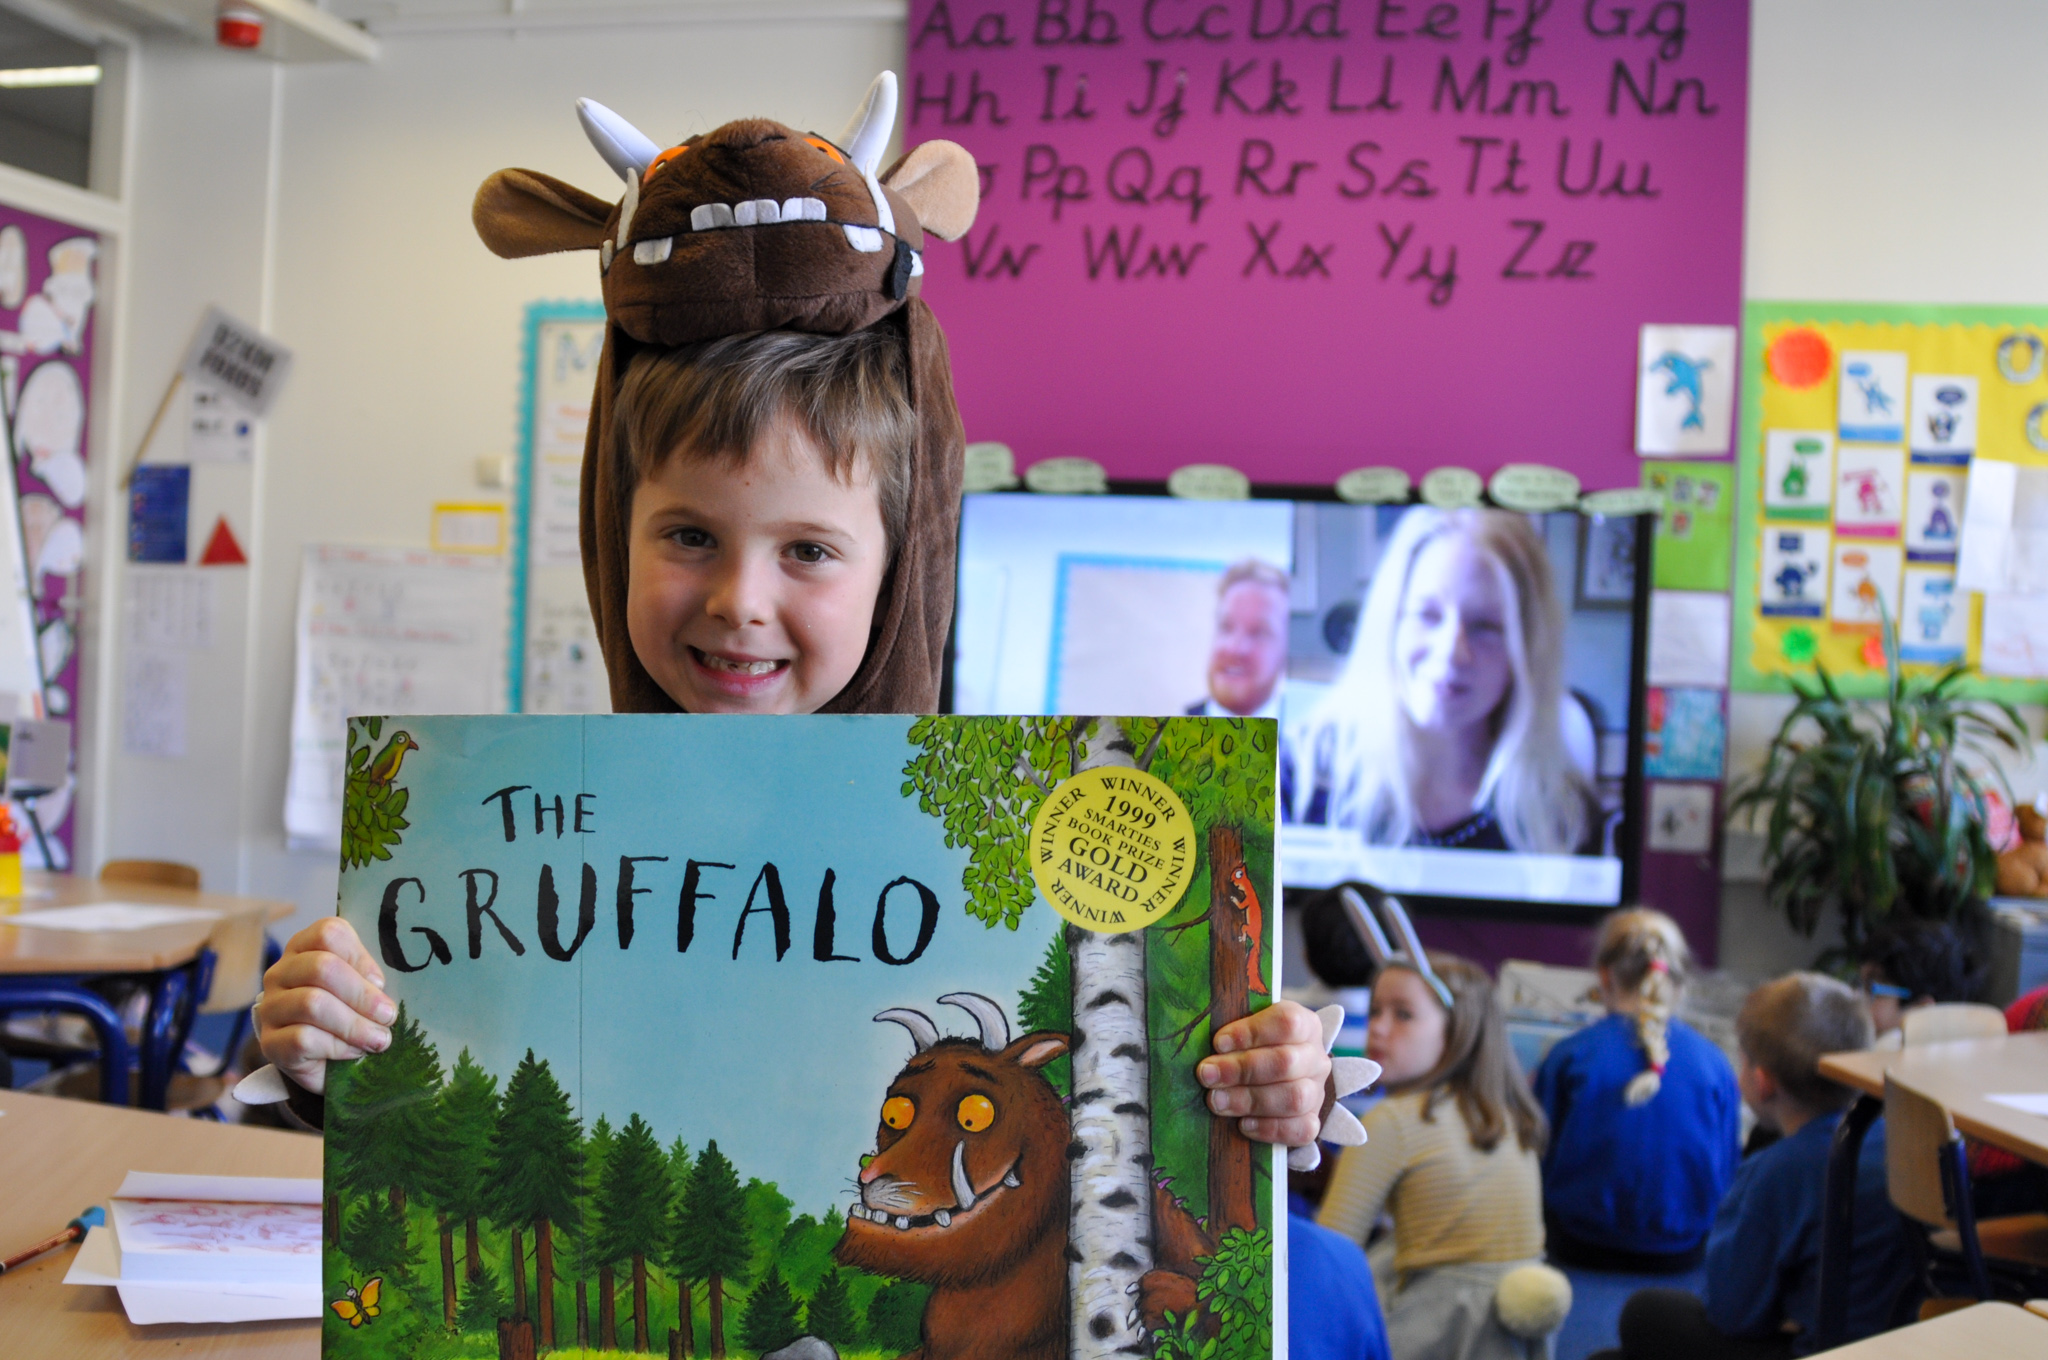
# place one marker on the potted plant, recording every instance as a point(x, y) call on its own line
point(1874, 809)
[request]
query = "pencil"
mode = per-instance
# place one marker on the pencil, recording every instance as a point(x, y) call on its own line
point(94, 1217)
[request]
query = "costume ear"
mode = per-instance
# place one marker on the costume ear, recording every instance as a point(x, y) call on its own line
point(938, 180)
point(523, 212)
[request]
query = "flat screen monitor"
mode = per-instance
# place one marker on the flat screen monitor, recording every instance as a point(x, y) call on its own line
point(1459, 693)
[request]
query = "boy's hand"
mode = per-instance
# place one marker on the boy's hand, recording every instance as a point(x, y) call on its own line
point(1271, 1068)
point(322, 1001)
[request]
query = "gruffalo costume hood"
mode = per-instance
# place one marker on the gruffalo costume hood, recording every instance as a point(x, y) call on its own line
point(753, 227)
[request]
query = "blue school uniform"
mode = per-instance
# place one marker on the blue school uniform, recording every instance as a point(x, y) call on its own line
point(1333, 1312)
point(1643, 1180)
point(1763, 1254)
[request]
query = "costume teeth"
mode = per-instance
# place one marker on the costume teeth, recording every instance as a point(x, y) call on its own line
point(756, 212)
point(867, 240)
point(655, 251)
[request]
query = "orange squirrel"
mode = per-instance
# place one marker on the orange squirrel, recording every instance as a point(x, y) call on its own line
point(1252, 929)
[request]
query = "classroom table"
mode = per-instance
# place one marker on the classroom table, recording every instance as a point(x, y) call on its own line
point(1959, 1075)
point(49, 969)
point(59, 1157)
point(1987, 1329)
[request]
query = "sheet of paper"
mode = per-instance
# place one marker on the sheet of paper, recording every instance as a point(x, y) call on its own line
point(387, 631)
point(1685, 390)
point(1688, 638)
point(2026, 1102)
point(98, 1262)
point(1794, 575)
point(207, 1241)
point(260, 1189)
point(170, 607)
point(159, 503)
point(1934, 618)
point(1871, 401)
point(1944, 418)
point(1866, 584)
point(99, 916)
point(1681, 818)
point(218, 429)
point(2015, 640)
point(2005, 530)
point(1799, 473)
point(153, 704)
point(1934, 513)
point(1870, 489)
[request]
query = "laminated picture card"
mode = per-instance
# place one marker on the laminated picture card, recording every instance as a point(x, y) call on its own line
point(728, 1032)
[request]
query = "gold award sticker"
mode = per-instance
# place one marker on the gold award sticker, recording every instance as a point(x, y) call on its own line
point(1112, 849)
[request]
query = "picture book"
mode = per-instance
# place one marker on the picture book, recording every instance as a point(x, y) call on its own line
point(829, 1036)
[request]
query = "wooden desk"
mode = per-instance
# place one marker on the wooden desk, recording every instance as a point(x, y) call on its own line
point(58, 1157)
point(1960, 1075)
point(1988, 1329)
point(119, 951)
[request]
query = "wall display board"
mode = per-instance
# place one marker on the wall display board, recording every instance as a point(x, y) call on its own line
point(553, 660)
point(1864, 429)
point(47, 331)
point(384, 630)
point(1299, 236)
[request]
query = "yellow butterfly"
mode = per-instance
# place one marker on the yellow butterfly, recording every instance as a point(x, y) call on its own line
point(361, 1304)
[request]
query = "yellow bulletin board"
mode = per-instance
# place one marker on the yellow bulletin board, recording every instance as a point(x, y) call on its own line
point(1848, 498)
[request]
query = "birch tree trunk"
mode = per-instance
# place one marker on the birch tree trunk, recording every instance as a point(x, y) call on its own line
point(1110, 1238)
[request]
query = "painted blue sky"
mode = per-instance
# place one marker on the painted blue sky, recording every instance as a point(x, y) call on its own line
point(780, 1062)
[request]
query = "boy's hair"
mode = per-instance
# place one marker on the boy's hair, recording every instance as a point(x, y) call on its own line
point(1478, 1068)
point(1644, 953)
point(715, 400)
point(1786, 1025)
point(1932, 960)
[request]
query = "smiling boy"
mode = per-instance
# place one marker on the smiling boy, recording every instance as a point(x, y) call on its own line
point(769, 513)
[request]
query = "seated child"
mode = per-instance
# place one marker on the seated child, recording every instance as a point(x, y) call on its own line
point(1452, 1153)
point(769, 506)
point(1333, 1310)
point(1762, 1293)
point(1645, 1120)
point(1915, 964)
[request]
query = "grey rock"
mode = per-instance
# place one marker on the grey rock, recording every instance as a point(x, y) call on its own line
point(804, 1348)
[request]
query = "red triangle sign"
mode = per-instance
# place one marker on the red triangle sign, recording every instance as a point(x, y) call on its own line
point(221, 548)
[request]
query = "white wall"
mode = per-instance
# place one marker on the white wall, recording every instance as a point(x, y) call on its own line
point(1893, 148)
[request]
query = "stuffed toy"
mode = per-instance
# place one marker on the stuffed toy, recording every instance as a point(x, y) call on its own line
point(753, 227)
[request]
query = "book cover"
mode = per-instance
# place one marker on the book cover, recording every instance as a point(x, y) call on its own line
point(866, 1036)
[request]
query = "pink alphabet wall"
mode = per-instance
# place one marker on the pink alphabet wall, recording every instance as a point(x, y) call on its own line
point(1302, 236)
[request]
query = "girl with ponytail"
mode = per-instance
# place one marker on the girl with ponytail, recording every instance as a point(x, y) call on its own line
point(1644, 1114)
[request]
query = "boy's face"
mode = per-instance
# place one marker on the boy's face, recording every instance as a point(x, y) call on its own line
point(752, 589)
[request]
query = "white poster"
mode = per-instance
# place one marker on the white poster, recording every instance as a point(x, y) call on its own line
point(1934, 621)
point(1871, 402)
point(1685, 391)
point(1681, 818)
point(1794, 575)
point(1870, 492)
point(1866, 584)
point(2015, 639)
point(1688, 639)
point(1944, 418)
point(389, 631)
point(1934, 514)
point(1799, 473)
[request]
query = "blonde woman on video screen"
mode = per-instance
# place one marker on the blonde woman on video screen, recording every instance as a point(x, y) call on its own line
point(1446, 725)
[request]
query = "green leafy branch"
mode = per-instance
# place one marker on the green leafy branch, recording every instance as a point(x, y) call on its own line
point(1235, 1291)
point(372, 812)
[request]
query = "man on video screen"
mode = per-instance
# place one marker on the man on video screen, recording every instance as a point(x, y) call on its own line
point(1250, 651)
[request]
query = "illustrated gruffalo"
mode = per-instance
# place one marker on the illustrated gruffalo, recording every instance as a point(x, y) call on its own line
point(968, 1191)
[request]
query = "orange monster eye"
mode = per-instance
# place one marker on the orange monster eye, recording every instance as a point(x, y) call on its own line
point(898, 1111)
point(663, 159)
point(834, 152)
point(976, 1113)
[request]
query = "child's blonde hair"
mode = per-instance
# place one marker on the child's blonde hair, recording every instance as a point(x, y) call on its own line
point(1644, 955)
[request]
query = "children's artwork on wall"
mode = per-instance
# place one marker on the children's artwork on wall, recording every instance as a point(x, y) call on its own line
point(831, 1033)
point(1906, 504)
point(1695, 538)
point(2015, 637)
point(1685, 390)
point(1681, 818)
point(1944, 418)
point(1934, 515)
point(1870, 488)
point(1257, 233)
point(1799, 473)
point(1795, 572)
point(1871, 398)
point(48, 330)
point(1934, 618)
point(1685, 734)
point(1866, 584)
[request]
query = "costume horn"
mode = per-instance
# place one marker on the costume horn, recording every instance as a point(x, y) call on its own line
point(922, 1031)
point(995, 1030)
point(625, 148)
point(867, 136)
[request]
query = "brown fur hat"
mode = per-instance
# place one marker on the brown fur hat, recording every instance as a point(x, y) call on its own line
point(754, 227)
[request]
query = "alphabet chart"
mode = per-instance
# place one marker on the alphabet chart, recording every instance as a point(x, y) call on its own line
point(1302, 236)
point(1861, 427)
